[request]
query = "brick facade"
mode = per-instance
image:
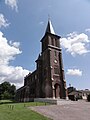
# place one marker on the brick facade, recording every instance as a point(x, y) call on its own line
point(48, 80)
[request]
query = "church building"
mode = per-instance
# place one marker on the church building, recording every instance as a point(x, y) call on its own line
point(48, 80)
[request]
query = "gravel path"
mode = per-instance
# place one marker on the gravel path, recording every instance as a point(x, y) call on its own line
point(75, 111)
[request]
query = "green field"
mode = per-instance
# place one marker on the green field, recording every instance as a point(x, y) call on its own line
point(19, 111)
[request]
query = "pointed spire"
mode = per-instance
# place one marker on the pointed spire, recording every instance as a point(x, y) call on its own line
point(38, 59)
point(49, 28)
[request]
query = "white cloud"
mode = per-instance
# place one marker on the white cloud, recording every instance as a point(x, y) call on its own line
point(14, 75)
point(87, 30)
point(15, 44)
point(41, 23)
point(3, 21)
point(7, 52)
point(9, 73)
point(12, 4)
point(74, 72)
point(76, 43)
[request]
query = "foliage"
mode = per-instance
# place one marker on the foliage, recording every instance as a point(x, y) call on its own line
point(20, 111)
point(7, 91)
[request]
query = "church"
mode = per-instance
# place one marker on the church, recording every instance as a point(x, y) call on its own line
point(48, 80)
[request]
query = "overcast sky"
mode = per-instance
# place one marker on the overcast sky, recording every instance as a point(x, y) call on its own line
point(23, 24)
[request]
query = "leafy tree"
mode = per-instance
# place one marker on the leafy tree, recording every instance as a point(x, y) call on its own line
point(7, 91)
point(5, 86)
point(5, 95)
point(12, 91)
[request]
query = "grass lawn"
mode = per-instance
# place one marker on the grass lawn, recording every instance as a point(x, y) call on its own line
point(20, 111)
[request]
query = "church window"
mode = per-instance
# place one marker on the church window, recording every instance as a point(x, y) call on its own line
point(55, 53)
point(45, 72)
point(32, 91)
point(35, 77)
point(31, 79)
point(52, 41)
point(56, 70)
point(55, 42)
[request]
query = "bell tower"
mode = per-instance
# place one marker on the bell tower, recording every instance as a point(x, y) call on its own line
point(53, 83)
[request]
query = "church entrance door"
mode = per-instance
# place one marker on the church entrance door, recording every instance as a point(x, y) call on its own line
point(57, 90)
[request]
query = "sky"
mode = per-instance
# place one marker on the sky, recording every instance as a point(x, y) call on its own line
point(23, 24)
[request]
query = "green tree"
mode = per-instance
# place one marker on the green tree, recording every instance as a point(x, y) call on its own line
point(7, 91)
point(5, 86)
point(12, 91)
point(5, 95)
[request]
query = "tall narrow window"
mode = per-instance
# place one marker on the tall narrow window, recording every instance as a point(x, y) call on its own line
point(56, 70)
point(52, 41)
point(55, 53)
point(56, 43)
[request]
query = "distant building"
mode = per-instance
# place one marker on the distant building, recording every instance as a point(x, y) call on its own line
point(48, 80)
point(71, 89)
point(85, 93)
point(74, 94)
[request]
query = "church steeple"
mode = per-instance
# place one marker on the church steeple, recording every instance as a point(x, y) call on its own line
point(50, 38)
point(49, 28)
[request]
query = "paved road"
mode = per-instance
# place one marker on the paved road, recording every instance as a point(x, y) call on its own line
point(75, 111)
